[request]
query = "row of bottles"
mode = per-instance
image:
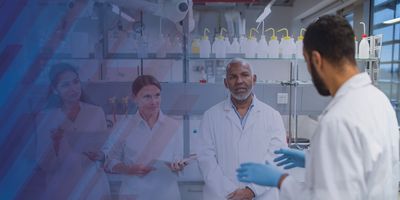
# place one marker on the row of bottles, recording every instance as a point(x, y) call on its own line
point(249, 46)
point(156, 45)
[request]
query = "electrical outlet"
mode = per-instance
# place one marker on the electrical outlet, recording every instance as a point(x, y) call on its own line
point(282, 98)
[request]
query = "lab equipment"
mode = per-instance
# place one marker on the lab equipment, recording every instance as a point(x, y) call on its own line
point(299, 44)
point(162, 50)
point(250, 46)
point(364, 45)
point(265, 13)
point(235, 46)
point(219, 47)
point(273, 45)
point(287, 45)
point(355, 47)
point(227, 44)
point(195, 46)
point(262, 48)
point(242, 43)
point(205, 45)
point(174, 10)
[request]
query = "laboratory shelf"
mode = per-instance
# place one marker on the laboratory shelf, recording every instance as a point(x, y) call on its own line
point(66, 56)
point(231, 56)
point(151, 56)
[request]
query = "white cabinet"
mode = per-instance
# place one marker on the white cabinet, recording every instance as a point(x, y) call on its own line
point(191, 190)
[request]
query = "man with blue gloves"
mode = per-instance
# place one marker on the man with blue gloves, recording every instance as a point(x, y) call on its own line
point(354, 152)
point(252, 172)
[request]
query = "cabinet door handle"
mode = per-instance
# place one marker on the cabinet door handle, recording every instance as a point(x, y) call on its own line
point(195, 190)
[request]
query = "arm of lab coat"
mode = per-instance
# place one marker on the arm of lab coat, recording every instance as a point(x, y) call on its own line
point(178, 144)
point(277, 139)
point(335, 162)
point(45, 155)
point(211, 171)
point(292, 189)
point(110, 140)
point(332, 165)
point(115, 147)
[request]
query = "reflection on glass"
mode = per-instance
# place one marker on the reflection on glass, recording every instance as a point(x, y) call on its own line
point(385, 72)
point(396, 52)
point(377, 2)
point(386, 54)
point(383, 15)
point(386, 31)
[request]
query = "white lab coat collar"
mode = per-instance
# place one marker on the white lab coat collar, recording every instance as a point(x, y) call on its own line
point(357, 81)
point(139, 119)
point(228, 104)
point(231, 114)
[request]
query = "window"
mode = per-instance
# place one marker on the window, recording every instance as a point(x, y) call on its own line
point(350, 18)
point(383, 15)
point(386, 31)
point(381, 11)
point(378, 2)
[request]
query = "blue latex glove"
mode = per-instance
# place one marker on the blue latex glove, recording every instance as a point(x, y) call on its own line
point(260, 174)
point(291, 158)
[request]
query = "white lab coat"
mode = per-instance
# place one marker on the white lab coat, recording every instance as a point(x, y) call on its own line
point(355, 150)
point(132, 136)
point(224, 145)
point(71, 175)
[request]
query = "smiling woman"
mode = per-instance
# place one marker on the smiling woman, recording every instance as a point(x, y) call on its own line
point(149, 147)
point(65, 131)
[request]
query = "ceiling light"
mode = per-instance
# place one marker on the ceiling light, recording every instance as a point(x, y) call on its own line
point(392, 21)
point(115, 9)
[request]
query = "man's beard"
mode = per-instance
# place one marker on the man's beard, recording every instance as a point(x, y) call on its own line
point(318, 82)
point(243, 96)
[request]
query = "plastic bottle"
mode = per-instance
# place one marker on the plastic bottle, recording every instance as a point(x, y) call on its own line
point(286, 45)
point(195, 46)
point(161, 52)
point(205, 46)
point(364, 45)
point(251, 45)
point(242, 43)
point(218, 47)
point(176, 45)
point(235, 46)
point(292, 47)
point(168, 45)
point(273, 51)
point(299, 44)
point(355, 47)
point(227, 45)
point(203, 76)
point(143, 46)
point(262, 49)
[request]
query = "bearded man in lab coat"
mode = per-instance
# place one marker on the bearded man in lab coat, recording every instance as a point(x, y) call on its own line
point(355, 149)
point(239, 129)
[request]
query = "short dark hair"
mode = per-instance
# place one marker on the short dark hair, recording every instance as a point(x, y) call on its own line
point(142, 81)
point(333, 37)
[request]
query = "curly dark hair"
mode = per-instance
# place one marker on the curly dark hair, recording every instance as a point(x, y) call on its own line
point(331, 36)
